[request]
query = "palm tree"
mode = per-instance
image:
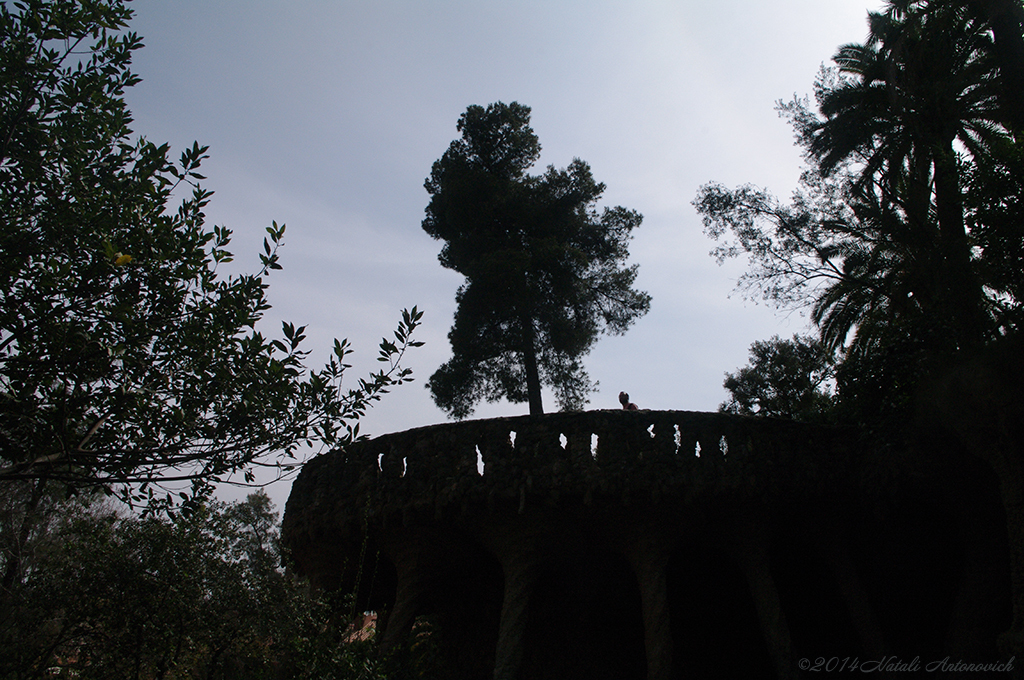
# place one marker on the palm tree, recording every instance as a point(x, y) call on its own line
point(926, 115)
point(911, 106)
point(1006, 19)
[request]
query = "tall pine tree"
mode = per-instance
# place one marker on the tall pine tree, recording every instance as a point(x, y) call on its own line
point(545, 272)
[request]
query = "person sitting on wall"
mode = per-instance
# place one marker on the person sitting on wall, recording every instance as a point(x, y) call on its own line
point(626, 403)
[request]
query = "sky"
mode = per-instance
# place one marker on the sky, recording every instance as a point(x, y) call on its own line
point(327, 116)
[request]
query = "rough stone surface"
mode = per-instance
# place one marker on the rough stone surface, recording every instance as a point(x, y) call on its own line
point(658, 544)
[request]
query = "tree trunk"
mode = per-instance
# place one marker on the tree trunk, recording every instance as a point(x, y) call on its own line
point(960, 290)
point(530, 365)
point(19, 538)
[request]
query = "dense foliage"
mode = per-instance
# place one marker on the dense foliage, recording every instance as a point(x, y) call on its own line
point(127, 361)
point(203, 596)
point(785, 379)
point(545, 272)
point(905, 236)
point(131, 365)
point(906, 239)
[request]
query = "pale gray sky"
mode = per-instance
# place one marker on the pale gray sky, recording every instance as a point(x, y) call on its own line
point(328, 115)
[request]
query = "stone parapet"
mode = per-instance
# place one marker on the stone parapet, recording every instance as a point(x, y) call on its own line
point(630, 455)
point(472, 521)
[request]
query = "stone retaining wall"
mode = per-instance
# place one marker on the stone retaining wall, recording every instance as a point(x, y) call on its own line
point(482, 511)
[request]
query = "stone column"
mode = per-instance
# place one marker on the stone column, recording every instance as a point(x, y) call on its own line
point(408, 596)
point(520, 576)
point(649, 561)
point(749, 546)
point(858, 604)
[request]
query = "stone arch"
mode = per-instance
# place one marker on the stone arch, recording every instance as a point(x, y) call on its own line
point(715, 629)
point(774, 518)
point(585, 620)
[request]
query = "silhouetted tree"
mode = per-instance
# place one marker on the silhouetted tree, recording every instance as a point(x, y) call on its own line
point(126, 360)
point(912, 106)
point(905, 236)
point(545, 272)
point(785, 379)
point(1006, 20)
point(904, 229)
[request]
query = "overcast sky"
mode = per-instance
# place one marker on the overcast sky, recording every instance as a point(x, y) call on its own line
point(327, 116)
